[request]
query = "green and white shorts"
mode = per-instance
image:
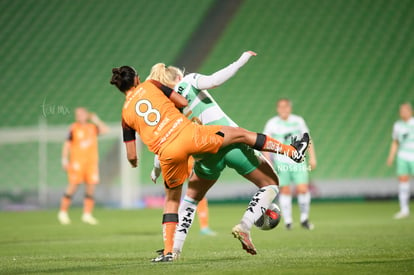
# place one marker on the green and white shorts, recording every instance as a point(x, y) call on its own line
point(292, 173)
point(405, 167)
point(238, 156)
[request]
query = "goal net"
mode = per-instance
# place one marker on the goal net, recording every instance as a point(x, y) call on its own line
point(32, 176)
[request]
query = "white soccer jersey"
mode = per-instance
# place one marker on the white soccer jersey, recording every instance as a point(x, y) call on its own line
point(403, 132)
point(201, 104)
point(284, 130)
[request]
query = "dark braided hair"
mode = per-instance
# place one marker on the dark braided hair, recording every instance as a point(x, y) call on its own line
point(123, 78)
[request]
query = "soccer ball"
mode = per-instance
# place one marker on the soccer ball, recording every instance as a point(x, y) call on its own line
point(270, 218)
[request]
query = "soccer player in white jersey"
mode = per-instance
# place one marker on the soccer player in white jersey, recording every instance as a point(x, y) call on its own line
point(403, 143)
point(250, 164)
point(284, 126)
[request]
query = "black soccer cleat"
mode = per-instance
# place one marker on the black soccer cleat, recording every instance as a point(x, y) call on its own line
point(160, 251)
point(301, 146)
point(289, 226)
point(175, 255)
point(163, 258)
point(307, 225)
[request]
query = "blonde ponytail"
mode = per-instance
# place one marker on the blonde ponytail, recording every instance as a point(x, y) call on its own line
point(165, 75)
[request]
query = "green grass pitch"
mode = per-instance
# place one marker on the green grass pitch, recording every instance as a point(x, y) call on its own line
point(349, 238)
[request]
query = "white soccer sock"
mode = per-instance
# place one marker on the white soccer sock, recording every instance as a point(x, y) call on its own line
point(285, 202)
point(186, 214)
point(258, 205)
point(304, 205)
point(404, 196)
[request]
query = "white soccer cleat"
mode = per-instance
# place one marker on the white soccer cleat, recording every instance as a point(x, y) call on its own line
point(176, 254)
point(401, 215)
point(63, 218)
point(89, 219)
point(244, 237)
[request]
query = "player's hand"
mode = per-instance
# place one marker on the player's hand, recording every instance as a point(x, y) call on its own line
point(133, 162)
point(246, 56)
point(155, 173)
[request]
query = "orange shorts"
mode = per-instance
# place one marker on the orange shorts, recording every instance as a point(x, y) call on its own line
point(83, 173)
point(193, 139)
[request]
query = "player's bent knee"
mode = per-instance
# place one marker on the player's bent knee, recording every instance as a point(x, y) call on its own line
point(302, 188)
point(285, 190)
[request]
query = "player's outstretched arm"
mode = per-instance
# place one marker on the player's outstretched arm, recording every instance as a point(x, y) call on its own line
point(221, 76)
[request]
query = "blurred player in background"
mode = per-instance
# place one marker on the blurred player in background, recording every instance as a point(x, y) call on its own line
point(283, 127)
point(403, 143)
point(203, 218)
point(80, 161)
point(203, 109)
point(202, 208)
point(150, 109)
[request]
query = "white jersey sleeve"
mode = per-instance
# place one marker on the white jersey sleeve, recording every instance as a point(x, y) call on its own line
point(204, 82)
point(303, 127)
point(395, 132)
point(191, 79)
point(268, 128)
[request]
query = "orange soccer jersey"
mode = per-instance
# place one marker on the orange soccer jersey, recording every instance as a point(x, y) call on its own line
point(83, 164)
point(167, 133)
point(148, 111)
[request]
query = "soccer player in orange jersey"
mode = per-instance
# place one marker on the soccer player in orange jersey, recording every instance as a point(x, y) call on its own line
point(149, 111)
point(203, 109)
point(80, 161)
